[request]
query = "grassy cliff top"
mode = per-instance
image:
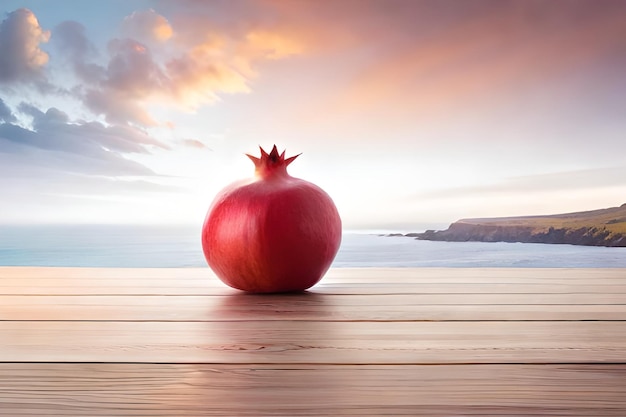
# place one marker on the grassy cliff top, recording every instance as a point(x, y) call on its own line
point(612, 219)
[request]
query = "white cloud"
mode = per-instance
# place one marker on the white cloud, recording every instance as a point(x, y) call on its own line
point(6, 115)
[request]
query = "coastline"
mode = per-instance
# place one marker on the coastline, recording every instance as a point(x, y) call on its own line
point(603, 227)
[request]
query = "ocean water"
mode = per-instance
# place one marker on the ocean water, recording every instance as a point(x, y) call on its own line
point(179, 246)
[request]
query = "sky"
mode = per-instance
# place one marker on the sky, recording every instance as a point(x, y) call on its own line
point(407, 112)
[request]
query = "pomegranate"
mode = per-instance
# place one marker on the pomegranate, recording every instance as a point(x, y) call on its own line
point(271, 233)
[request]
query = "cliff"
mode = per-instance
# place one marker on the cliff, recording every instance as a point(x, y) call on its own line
point(604, 227)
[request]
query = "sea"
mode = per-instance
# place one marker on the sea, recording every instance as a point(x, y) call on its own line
point(179, 246)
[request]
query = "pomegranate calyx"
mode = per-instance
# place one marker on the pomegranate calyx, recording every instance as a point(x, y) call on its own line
point(272, 163)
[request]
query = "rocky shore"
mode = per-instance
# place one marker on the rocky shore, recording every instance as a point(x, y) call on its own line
point(604, 227)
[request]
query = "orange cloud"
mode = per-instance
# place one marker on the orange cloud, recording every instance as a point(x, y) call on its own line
point(198, 77)
point(273, 45)
point(193, 64)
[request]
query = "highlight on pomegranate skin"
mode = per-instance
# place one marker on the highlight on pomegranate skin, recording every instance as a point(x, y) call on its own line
point(271, 233)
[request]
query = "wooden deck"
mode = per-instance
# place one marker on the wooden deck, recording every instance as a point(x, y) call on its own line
point(363, 342)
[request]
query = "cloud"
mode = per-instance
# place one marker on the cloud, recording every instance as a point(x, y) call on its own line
point(71, 38)
point(196, 79)
point(583, 179)
point(117, 107)
point(21, 58)
point(57, 162)
point(272, 45)
point(34, 193)
point(5, 113)
point(87, 186)
point(132, 69)
point(146, 26)
point(59, 144)
point(424, 57)
point(131, 77)
point(217, 57)
point(180, 64)
point(408, 61)
point(194, 143)
point(158, 63)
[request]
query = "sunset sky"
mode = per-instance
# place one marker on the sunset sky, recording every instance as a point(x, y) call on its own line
point(405, 111)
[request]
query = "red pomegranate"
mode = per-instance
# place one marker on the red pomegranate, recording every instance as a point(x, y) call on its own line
point(271, 233)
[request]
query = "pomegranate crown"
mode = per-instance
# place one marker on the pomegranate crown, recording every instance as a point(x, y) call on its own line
point(271, 163)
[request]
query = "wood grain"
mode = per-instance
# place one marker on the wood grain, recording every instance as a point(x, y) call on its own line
point(363, 342)
point(182, 286)
point(359, 281)
point(314, 342)
point(261, 390)
point(360, 275)
point(309, 307)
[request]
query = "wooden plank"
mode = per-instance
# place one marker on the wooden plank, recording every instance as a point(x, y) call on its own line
point(146, 286)
point(466, 294)
point(467, 289)
point(198, 281)
point(34, 390)
point(386, 275)
point(306, 306)
point(314, 342)
point(210, 281)
point(353, 345)
point(86, 286)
